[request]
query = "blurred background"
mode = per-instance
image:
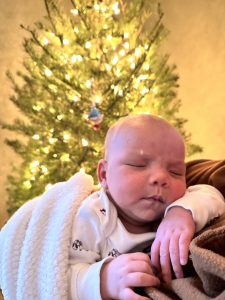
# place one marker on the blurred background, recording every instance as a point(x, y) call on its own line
point(196, 44)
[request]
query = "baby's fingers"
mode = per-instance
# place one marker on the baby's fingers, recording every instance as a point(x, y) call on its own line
point(175, 251)
point(184, 243)
point(155, 258)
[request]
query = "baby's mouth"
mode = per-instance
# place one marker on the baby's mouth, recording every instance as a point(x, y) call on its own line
point(158, 198)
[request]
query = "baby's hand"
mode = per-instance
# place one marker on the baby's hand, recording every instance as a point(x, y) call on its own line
point(171, 245)
point(121, 275)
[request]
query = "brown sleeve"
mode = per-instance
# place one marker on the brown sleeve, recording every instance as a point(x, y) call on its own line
point(204, 171)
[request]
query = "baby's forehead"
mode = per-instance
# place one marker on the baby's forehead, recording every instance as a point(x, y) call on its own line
point(133, 126)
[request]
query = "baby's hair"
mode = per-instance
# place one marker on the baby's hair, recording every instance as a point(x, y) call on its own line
point(133, 121)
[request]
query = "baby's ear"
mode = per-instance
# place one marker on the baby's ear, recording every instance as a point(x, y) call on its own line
point(102, 168)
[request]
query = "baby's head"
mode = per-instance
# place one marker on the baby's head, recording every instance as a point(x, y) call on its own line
point(143, 170)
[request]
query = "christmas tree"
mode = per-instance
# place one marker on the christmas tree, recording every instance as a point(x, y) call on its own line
point(84, 69)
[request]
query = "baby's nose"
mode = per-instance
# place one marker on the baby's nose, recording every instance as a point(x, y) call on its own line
point(159, 178)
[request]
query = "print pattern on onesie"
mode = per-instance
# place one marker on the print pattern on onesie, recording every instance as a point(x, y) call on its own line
point(77, 245)
point(114, 253)
point(103, 211)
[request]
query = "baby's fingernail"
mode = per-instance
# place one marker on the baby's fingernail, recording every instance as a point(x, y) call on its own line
point(183, 261)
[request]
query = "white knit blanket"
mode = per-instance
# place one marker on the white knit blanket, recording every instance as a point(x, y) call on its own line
point(34, 244)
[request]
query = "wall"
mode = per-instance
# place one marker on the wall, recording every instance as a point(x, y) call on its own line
point(196, 44)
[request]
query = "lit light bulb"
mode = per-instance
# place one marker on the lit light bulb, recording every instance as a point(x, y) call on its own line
point(74, 11)
point(122, 52)
point(115, 8)
point(97, 6)
point(36, 136)
point(48, 72)
point(66, 42)
point(126, 45)
point(67, 76)
point(88, 84)
point(45, 41)
point(44, 169)
point(27, 184)
point(146, 67)
point(137, 52)
point(66, 136)
point(48, 186)
point(109, 37)
point(60, 117)
point(82, 170)
point(84, 142)
point(132, 66)
point(52, 140)
point(88, 45)
point(115, 60)
point(97, 99)
point(65, 157)
point(107, 67)
point(145, 90)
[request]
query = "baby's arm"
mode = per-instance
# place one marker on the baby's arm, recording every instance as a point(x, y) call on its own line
point(94, 276)
point(184, 217)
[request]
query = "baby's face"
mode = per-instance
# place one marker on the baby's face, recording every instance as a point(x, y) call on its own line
point(145, 172)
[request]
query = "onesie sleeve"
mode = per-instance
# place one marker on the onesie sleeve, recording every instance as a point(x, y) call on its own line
point(85, 255)
point(204, 201)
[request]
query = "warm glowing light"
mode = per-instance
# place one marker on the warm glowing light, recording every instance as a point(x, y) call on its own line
point(132, 66)
point(146, 67)
point(88, 84)
point(45, 41)
point(145, 90)
point(88, 45)
point(97, 99)
point(137, 52)
point(107, 67)
point(76, 30)
point(84, 142)
point(115, 8)
point(66, 136)
point(82, 170)
point(74, 11)
point(126, 45)
point(65, 157)
point(120, 93)
point(115, 60)
point(36, 136)
point(52, 141)
point(48, 72)
point(35, 164)
point(60, 117)
point(48, 186)
point(122, 52)
point(45, 150)
point(44, 169)
point(66, 42)
point(109, 37)
point(67, 76)
point(27, 184)
point(126, 35)
point(97, 6)
point(75, 98)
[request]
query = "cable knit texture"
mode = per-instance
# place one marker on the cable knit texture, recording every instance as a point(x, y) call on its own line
point(34, 243)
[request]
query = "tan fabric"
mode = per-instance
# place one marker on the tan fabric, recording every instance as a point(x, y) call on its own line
point(208, 280)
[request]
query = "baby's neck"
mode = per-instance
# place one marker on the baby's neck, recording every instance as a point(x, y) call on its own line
point(139, 228)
